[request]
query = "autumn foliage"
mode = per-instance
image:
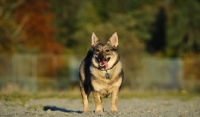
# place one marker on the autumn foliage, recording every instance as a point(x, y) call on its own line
point(191, 66)
point(37, 31)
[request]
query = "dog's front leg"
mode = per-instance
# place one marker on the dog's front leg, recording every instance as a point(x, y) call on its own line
point(85, 95)
point(114, 101)
point(98, 103)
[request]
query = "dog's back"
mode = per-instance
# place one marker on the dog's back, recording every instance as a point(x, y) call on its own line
point(84, 70)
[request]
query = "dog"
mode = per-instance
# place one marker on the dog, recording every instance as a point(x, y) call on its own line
point(101, 73)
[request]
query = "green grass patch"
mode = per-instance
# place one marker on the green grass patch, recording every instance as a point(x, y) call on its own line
point(15, 96)
point(180, 95)
point(36, 107)
point(22, 98)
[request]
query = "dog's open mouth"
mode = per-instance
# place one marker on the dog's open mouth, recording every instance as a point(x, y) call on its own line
point(104, 63)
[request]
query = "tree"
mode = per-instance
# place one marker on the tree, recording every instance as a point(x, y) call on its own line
point(157, 42)
point(183, 27)
point(65, 21)
point(8, 27)
point(37, 33)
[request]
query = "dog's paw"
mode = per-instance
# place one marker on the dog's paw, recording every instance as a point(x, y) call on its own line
point(99, 111)
point(86, 111)
point(114, 111)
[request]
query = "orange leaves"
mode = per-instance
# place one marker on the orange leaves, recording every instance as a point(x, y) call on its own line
point(37, 31)
point(191, 66)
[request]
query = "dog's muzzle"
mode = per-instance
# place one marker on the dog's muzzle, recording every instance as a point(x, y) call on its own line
point(103, 62)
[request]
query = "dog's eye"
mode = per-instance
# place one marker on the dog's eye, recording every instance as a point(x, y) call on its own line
point(97, 50)
point(107, 50)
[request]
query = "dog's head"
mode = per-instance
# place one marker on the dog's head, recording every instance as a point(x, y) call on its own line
point(105, 54)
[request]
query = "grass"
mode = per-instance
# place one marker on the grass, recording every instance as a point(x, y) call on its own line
point(36, 107)
point(14, 96)
point(75, 94)
point(180, 95)
point(20, 98)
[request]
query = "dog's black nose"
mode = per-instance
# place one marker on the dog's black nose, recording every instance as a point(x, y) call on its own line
point(101, 57)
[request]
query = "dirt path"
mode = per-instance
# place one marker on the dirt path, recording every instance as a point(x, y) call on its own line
point(135, 107)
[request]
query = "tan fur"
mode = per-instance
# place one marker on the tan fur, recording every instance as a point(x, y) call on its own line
point(101, 84)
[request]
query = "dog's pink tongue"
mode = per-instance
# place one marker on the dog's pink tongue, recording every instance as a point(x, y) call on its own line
point(105, 63)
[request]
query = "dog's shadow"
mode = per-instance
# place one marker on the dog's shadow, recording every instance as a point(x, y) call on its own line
point(54, 108)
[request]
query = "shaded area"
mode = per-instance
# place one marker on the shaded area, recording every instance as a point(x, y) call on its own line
point(157, 41)
point(54, 108)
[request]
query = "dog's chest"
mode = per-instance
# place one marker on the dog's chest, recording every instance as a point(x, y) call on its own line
point(104, 76)
point(105, 85)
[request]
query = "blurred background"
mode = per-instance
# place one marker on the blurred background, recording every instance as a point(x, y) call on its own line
point(42, 42)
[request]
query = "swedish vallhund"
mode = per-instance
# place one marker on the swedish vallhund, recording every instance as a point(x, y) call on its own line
point(101, 73)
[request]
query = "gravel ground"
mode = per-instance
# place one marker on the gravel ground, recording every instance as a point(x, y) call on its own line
point(135, 107)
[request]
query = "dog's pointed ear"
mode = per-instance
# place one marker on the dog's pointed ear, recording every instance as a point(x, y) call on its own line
point(94, 39)
point(113, 40)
